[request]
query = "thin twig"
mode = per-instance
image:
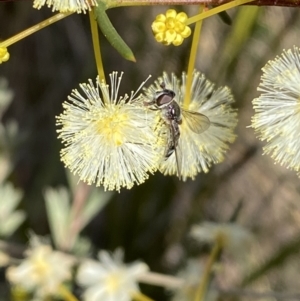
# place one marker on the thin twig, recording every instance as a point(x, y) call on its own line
point(117, 3)
point(161, 280)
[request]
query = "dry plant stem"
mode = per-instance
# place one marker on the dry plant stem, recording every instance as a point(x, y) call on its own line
point(27, 32)
point(116, 3)
point(202, 288)
point(96, 44)
point(80, 197)
point(192, 59)
point(161, 280)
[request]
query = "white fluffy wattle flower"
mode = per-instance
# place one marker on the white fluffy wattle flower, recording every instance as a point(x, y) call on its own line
point(65, 6)
point(199, 151)
point(109, 140)
point(42, 271)
point(109, 278)
point(277, 109)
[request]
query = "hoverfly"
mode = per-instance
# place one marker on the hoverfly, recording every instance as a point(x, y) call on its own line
point(172, 113)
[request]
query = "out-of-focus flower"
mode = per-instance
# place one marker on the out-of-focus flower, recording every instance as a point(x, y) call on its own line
point(232, 236)
point(171, 28)
point(64, 6)
point(10, 138)
point(4, 259)
point(277, 109)
point(4, 55)
point(108, 140)
point(6, 95)
point(110, 279)
point(42, 271)
point(199, 151)
point(8, 132)
point(10, 219)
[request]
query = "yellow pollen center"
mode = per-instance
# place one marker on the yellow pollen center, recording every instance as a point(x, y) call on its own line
point(113, 282)
point(41, 268)
point(112, 126)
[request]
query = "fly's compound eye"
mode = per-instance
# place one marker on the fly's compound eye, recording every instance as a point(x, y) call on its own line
point(164, 99)
point(171, 93)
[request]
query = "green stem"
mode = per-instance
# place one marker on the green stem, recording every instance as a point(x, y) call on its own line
point(96, 45)
point(192, 59)
point(202, 288)
point(29, 31)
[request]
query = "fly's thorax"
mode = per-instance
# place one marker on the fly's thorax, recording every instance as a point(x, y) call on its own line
point(172, 112)
point(176, 110)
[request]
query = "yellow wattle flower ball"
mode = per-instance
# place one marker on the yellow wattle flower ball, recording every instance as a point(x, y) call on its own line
point(171, 28)
point(4, 55)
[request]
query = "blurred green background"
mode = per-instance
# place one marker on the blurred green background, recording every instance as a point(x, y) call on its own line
point(151, 221)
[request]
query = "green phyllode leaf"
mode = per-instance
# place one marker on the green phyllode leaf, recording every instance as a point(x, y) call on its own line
point(111, 34)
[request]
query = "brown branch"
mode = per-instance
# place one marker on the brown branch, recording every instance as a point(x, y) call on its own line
point(116, 3)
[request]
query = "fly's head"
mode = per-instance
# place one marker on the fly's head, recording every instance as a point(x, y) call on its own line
point(164, 97)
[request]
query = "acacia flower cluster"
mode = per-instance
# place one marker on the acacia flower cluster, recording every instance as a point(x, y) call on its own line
point(42, 271)
point(116, 142)
point(4, 55)
point(277, 109)
point(171, 28)
point(109, 278)
point(64, 6)
point(199, 151)
point(109, 140)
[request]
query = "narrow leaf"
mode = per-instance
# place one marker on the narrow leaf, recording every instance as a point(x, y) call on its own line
point(111, 34)
point(58, 209)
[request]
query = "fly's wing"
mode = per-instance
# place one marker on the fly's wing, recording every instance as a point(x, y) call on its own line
point(197, 122)
point(175, 138)
point(178, 161)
